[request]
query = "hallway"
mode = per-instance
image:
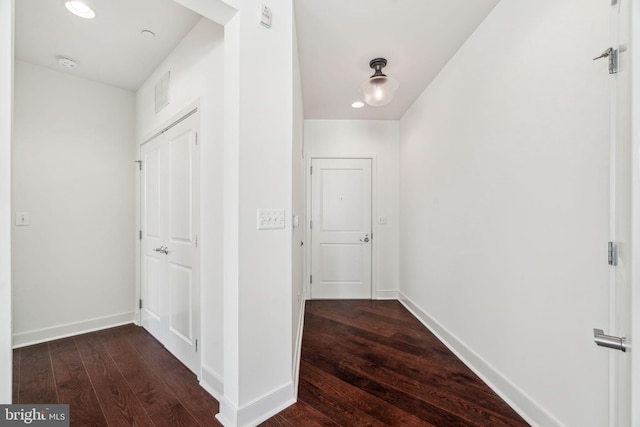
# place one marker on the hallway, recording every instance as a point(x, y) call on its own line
point(363, 363)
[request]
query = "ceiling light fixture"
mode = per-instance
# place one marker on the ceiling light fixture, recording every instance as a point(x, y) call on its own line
point(66, 62)
point(80, 9)
point(358, 104)
point(379, 89)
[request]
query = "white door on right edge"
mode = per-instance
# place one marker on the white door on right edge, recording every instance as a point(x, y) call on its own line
point(341, 228)
point(621, 211)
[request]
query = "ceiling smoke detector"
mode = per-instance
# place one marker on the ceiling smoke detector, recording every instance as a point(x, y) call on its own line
point(66, 62)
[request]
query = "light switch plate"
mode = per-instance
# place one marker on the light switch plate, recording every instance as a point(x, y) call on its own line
point(22, 218)
point(270, 219)
point(265, 16)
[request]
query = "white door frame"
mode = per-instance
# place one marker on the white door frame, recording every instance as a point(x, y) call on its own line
point(635, 221)
point(175, 119)
point(310, 156)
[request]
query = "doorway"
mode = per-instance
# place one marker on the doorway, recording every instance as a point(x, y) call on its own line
point(341, 232)
point(170, 261)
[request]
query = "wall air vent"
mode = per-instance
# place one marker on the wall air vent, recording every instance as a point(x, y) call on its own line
point(162, 92)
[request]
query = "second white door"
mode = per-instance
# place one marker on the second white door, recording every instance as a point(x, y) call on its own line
point(341, 228)
point(170, 289)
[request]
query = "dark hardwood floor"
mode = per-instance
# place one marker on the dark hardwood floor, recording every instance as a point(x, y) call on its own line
point(364, 363)
point(371, 363)
point(116, 377)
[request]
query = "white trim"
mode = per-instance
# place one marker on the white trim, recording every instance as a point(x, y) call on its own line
point(6, 124)
point(212, 382)
point(393, 295)
point(374, 214)
point(257, 411)
point(635, 217)
point(297, 351)
point(37, 336)
point(523, 404)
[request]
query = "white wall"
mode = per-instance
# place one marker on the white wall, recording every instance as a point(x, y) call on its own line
point(6, 101)
point(258, 174)
point(504, 192)
point(378, 139)
point(73, 172)
point(298, 207)
point(196, 66)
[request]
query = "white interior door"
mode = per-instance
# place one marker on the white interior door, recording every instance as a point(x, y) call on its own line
point(341, 228)
point(621, 209)
point(170, 288)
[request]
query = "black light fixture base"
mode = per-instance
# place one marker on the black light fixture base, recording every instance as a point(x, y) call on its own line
point(378, 64)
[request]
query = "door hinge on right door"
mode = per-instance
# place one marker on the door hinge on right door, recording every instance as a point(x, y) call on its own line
point(612, 253)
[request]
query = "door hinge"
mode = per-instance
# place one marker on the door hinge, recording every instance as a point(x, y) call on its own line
point(311, 224)
point(196, 138)
point(310, 278)
point(612, 253)
point(196, 240)
point(310, 170)
point(196, 346)
point(140, 235)
point(612, 55)
point(140, 303)
point(139, 162)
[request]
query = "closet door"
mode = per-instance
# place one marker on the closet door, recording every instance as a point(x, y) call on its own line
point(170, 287)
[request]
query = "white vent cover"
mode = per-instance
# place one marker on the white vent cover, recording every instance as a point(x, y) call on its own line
point(162, 92)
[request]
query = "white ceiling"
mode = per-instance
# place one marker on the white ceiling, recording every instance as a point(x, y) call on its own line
point(336, 41)
point(109, 48)
point(338, 38)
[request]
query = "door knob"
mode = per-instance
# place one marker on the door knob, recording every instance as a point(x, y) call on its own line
point(162, 250)
point(366, 238)
point(616, 343)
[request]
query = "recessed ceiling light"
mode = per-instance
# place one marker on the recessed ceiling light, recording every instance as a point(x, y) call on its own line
point(148, 34)
point(80, 9)
point(358, 104)
point(66, 62)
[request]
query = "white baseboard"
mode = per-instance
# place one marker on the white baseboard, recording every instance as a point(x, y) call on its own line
point(212, 382)
point(298, 349)
point(257, 411)
point(386, 295)
point(37, 336)
point(523, 404)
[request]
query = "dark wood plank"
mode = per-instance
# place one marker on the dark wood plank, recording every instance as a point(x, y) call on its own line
point(436, 364)
point(37, 384)
point(319, 387)
point(176, 376)
point(74, 386)
point(119, 403)
point(15, 391)
point(157, 399)
point(299, 414)
point(402, 364)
